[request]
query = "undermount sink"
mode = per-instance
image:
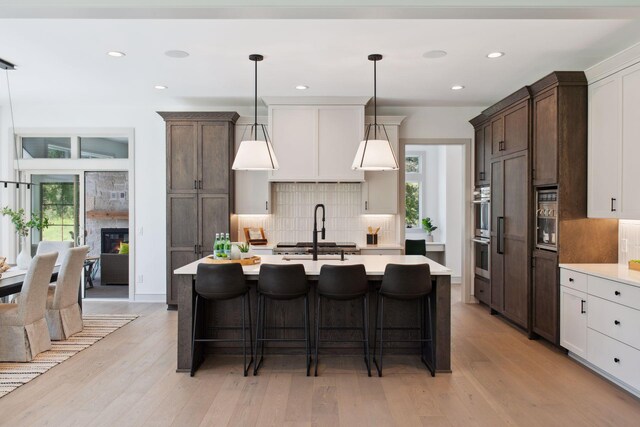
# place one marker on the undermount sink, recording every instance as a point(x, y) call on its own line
point(310, 258)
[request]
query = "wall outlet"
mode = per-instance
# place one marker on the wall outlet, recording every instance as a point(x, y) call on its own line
point(140, 278)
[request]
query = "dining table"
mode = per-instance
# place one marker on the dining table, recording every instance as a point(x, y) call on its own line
point(12, 280)
point(405, 318)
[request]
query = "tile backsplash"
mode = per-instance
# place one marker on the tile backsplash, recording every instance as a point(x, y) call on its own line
point(291, 219)
point(629, 245)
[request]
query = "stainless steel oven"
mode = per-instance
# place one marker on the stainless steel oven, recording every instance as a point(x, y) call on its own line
point(482, 211)
point(482, 253)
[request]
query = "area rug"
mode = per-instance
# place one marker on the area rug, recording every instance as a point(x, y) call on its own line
point(96, 327)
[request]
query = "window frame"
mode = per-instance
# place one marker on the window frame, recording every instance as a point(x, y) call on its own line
point(418, 178)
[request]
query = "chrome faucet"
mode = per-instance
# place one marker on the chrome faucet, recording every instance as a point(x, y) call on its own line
point(315, 230)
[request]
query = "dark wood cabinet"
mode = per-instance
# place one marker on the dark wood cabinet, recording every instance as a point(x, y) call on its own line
point(510, 130)
point(199, 187)
point(482, 153)
point(546, 293)
point(545, 138)
point(482, 290)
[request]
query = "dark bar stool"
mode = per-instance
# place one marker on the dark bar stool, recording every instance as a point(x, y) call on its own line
point(407, 282)
point(344, 283)
point(415, 247)
point(221, 282)
point(284, 283)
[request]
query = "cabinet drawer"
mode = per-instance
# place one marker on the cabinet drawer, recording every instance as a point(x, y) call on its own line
point(619, 360)
point(482, 289)
point(573, 279)
point(614, 320)
point(615, 291)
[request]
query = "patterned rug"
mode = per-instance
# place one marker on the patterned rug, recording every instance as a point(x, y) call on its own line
point(96, 327)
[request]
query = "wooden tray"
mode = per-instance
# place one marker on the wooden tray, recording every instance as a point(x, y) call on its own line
point(247, 261)
point(634, 265)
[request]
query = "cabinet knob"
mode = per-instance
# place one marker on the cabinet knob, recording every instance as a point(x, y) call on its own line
point(616, 360)
point(617, 293)
point(617, 322)
point(571, 279)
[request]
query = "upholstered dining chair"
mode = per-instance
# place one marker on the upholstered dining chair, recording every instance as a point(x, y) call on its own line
point(64, 316)
point(47, 246)
point(23, 326)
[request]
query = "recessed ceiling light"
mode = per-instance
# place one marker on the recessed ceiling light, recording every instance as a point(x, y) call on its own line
point(434, 54)
point(457, 87)
point(176, 53)
point(116, 54)
point(494, 55)
point(160, 87)
point(302, 87)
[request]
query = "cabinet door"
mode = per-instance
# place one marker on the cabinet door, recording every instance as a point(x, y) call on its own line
point(545, 296)
point(182, 157)
point(213, 218)
point(487, 154)
point(516, 129)
point(497, 233)
point(629, 205)
point(604, 148)
point(252, 188)
point(516, 254)
point(573, 321)
point(479, 155)
point(380, 189)
point(295, 143)
point(497, 136)
point(545, 138)
point(340, 130)
point(214, 161)
point(182, 229)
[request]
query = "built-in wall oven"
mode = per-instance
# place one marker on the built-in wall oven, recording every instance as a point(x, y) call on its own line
point(481, 240)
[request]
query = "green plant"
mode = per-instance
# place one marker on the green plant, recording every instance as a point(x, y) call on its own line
point(428, 226)
point(244, 248)
point(19, 220)
point(412, 197)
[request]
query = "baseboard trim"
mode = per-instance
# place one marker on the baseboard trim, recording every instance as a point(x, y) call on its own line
point(150, 298)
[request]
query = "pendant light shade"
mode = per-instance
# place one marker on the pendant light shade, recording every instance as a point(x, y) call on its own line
point(375, 154)
point(255, 154)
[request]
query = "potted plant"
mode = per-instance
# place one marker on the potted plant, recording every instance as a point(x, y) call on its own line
point(428, 226)
point(23, 227)
point(244, 250)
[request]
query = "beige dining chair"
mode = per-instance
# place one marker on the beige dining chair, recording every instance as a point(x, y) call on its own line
point(64, 315)
point(23, 326)
point(46, 246)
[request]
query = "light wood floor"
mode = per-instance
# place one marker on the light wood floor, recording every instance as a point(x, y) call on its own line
point(499, 378)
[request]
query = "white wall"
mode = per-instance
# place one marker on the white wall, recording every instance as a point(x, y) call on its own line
point(150, 180)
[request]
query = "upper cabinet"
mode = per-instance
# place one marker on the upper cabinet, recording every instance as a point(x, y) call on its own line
point(614, 132)
point(510, 130)
point(315, 142)
point(483, 142)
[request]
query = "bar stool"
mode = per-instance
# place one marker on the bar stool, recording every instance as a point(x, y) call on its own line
point(344, 283)
point(415, 247)
point(283, 283)
point(219, 282)
point(407, 282)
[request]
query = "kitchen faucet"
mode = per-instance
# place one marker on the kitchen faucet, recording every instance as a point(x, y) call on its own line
point(315, 230)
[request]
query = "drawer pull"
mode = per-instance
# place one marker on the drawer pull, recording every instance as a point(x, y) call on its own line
point(571, 279)
point(617, 293)
point(616, 360)
point(582, 310)
point(617, 322)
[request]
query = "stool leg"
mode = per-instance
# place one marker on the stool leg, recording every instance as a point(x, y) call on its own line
point(365, 331)
point(379, 324)
point(193, 336)
point(244, 338)
point(306, 332)
point(258, 336)
point(432, 337)
point(318, 319)
point(250, 332)
point(422, 330)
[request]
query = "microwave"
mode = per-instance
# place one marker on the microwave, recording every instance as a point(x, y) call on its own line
point(482, 211)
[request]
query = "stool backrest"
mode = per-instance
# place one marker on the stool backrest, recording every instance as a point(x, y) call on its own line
point(68, 283)
point(282, 280)
point(220, 281)
point(415, 247)
point(407, 280)
point(344, 280)
point(33, 296)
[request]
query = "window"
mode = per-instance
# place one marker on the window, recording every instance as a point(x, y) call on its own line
point(104, 148)
point(413, 189)
point(58, 204)
point(46, 148)
point(75, 147)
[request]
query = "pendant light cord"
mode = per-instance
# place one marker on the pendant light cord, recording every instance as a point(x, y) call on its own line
point(255, 98)
point(13, 124)
point(375, 100)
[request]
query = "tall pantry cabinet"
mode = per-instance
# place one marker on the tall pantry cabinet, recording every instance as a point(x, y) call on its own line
point(200, 187)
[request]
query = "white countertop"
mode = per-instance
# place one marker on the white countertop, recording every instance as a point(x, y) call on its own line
point(381, 246)
point(267, 247)
point(373, 264)
point(618, 272)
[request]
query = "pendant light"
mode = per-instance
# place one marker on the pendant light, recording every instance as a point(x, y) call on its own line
point(254, 154)
point(375, 154)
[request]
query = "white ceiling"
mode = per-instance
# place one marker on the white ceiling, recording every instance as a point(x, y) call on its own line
point(65, 61)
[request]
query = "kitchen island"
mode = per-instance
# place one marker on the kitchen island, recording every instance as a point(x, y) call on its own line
point(401, 317)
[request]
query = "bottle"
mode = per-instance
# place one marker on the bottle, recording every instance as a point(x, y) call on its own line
point(227, 247)
point(216, 246)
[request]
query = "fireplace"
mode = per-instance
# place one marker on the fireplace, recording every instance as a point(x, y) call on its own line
point(112, 238)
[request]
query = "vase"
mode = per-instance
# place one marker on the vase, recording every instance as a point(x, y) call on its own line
point(429, 238)
point(235, 252)
point(24, 257)
point(245, 255)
